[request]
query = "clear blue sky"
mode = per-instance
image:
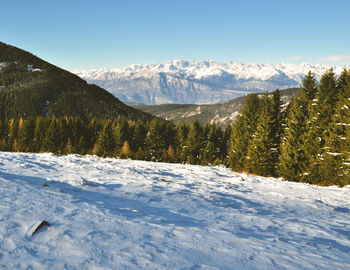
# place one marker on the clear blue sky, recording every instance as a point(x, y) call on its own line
point(76, 34)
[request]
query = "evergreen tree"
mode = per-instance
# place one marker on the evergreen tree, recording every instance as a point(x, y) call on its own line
point(41, 125)
point(309, 89)
point(262, 148)
point(335, 164)
point(277, 118)
point(242, 131)
point(212, 150)
point(181, 137)
point(225, 145)
point(321, 110)
point(94, 129)
point(140, 132)
point(105, 142)
point(121, 133)
point(195, 143)
point(156, 140)
point(292, 158)
point(209, 154)
point(54, 141)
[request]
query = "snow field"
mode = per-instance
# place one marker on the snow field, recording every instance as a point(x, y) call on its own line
point(123, 214)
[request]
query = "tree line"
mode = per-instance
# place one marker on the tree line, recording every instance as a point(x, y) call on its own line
point(306, 140)
point(156, 140)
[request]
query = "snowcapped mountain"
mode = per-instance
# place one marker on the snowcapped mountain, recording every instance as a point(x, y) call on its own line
point(206, 82)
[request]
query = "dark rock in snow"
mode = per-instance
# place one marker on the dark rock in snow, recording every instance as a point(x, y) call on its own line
point(41, 225)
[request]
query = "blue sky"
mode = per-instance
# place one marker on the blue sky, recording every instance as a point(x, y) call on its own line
point(76, 34)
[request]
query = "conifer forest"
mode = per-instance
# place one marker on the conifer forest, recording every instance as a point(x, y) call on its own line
point(306, 140)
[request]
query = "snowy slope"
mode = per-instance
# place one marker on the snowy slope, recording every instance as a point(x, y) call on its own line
point(122, 214)
point(205, 82)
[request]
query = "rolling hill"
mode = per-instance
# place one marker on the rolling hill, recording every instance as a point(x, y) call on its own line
point(30, 86)
point(221, 114)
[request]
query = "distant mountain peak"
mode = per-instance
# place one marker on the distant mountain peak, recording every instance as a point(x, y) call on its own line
point(205, 82)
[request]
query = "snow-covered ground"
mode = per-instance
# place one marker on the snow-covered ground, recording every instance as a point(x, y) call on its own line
point(123, 214)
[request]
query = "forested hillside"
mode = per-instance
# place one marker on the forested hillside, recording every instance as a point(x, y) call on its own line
point(31, 87)
point(220, 114)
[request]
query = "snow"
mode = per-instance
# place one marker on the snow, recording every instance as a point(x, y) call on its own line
point(123, 214)
point(205, 82)
point(31, 68)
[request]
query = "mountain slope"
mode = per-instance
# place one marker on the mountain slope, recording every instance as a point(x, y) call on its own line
point(221, 114)
point(124, 214)
point(30, 86)
point(207, 82)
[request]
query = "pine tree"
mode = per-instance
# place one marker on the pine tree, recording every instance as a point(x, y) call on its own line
point(139, 136)
point(181, 137)
point(140, 154)
point(195, 143)
point(121, 133)
point(335, 165)
point(318, 126)
point(209, 154)
point(105, 141)
point(293, 160)
point(225, 145)
point(309, 89)
point(212, 150)
point(41, 125)
point(54, 141)
point(156, 140)
point(262, 148)
point(277, 118)
point(242, 131)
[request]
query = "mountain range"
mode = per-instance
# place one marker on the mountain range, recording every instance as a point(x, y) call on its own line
point(31, 87)
point(191, 82)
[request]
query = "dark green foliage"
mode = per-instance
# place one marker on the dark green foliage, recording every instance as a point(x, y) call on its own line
point(51, 91)
point(106, 141)
point(242, 132)
point(121, 133)
point(195, 143)
point(54, 138)
point(293, 159)
point(156, 141)
point(262, 150)
point(139, 135)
